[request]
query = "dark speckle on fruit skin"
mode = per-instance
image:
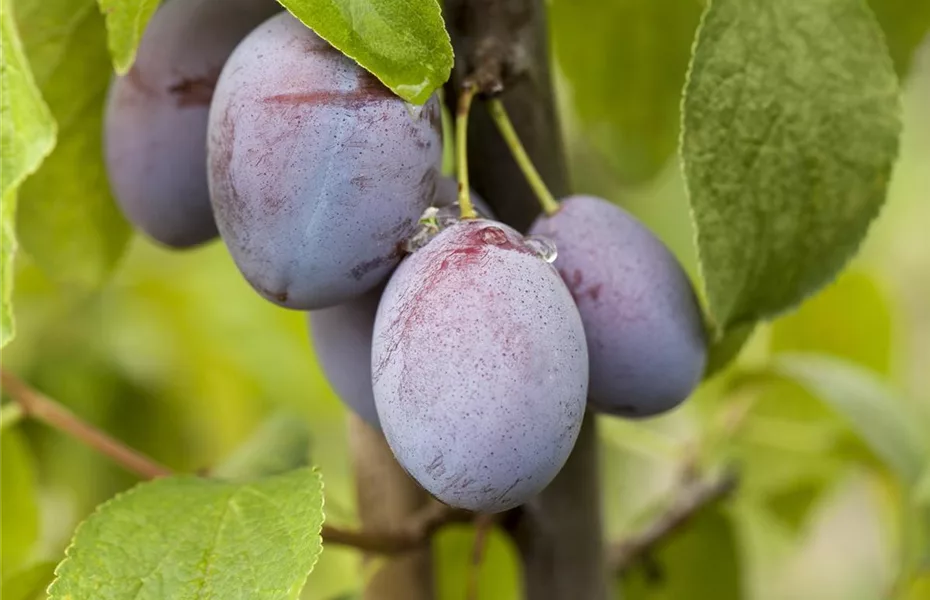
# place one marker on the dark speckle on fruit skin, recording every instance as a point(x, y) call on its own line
point(479, 367)
point(318, 172)
point(642, 320)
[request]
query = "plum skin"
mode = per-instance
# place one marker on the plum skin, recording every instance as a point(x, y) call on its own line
point(155, 126)
point(317, 171)
point(479, 367)
point(341, 337)
point(645, 330)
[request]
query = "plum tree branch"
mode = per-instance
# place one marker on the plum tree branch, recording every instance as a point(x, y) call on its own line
point(693, 498)
point(42, 408)
point(413, 533)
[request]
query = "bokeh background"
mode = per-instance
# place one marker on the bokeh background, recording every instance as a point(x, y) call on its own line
point(178, 357)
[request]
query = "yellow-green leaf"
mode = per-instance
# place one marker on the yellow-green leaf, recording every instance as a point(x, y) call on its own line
point(27, 135)
point(126, 21)
point(67, 219)
point(188, 538)
point(891, 431)
point(281, 444)
point(403, 43)
point(20, 516)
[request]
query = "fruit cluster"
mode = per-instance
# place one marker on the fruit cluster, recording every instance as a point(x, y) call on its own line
point(476, 350)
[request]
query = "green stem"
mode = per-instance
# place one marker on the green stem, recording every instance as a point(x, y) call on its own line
point(10, 415)
point(448, 138)
point(461, 143)
point(499, 115)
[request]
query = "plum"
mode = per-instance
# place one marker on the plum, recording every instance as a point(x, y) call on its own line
point(645, 331)
point(317, 171)
point(341, 334)
point(479, 367)
point(341, 337)
point(155, 128)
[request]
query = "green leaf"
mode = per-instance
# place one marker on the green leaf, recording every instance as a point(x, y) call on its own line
point(625, 61)
point(191, 538)
point(68, 222)
point(700, 561)
point(727, 347)
point(850, 319)
point(27, 135)
point(126, 21)
point(906, 24)
point(281, 444)
point(403, 43)
point(791, 119)
point(878, 416)
point(20, 516)
point(28, 583)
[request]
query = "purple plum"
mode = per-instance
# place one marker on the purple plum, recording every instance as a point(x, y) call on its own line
point(480, 367)
point(644, 326)
point(317, 171)
point(341, 337)
point(155, 127)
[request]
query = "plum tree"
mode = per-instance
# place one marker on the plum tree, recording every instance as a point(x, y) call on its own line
point(644, 327)
point(155, 126)
point(479, 367)
point(317, 171)
point(341, 337)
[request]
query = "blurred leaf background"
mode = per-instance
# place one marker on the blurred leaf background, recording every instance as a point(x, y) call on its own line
point(177, 356)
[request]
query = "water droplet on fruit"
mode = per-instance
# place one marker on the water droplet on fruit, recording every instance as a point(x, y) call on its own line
point(493, 235)
point(542, 246)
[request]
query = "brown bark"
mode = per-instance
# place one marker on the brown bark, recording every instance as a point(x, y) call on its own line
point(387, 499)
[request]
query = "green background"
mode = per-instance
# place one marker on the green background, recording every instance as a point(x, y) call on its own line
point(178, 357)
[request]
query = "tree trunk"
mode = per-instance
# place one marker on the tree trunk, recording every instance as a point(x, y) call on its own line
point(559, 533)
point(387, 496)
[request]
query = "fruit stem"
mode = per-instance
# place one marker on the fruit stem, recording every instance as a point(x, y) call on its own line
point(499, 114)
point(448, 137)
point(461, 141)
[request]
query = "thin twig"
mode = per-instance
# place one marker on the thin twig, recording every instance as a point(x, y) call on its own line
point(483, 525)
point(38, 406)
point(700, 494)
point(414, 533)
point(34, 404)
